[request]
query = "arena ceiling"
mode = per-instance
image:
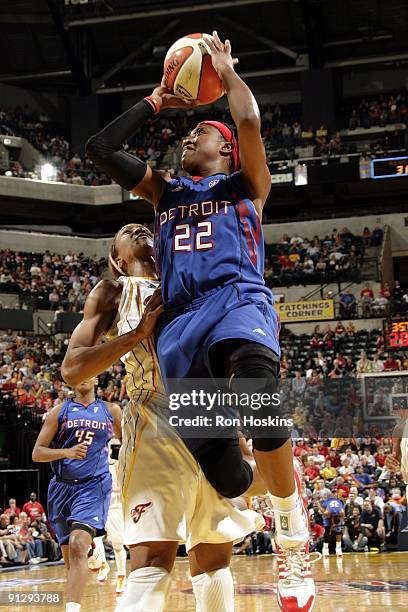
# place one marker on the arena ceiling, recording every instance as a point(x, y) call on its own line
point(113, 45)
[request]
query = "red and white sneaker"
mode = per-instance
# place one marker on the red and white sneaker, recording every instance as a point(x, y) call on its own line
point(296, 587)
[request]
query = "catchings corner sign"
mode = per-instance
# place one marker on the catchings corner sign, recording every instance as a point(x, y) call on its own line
point(313, 310)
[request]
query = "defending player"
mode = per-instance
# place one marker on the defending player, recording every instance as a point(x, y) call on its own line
point(166, 499)
point(114, 527)
point(219, 316)
point(75, 439)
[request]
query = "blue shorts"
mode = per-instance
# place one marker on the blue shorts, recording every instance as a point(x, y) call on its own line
point(239, 310)
point(85, 502)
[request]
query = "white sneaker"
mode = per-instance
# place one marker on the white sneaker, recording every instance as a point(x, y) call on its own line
point(103, 572)
point(120, 584)
point(339, 552)
point(34, 560)
point(296, 587)
point(325, 551)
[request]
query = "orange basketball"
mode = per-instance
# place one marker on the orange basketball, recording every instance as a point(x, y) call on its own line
point(188, 70)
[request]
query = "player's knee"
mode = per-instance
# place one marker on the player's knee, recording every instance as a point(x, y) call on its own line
point(79, 542)
point(153, 554)
point(117, 546)
point(230, 484)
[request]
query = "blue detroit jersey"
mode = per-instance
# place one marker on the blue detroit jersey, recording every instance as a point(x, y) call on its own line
point(77, 423)
point(207, 235)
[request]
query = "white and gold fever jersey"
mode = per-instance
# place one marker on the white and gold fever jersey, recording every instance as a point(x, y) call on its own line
point(142, 366)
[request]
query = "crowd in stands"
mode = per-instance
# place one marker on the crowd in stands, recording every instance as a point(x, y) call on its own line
point(369, 498)
point(25, 535)
point(281, 128)
point(48, 280)
point(47, 137)
point(30, 383)
point(62, 282)
point(298, 260)
point(379, 110)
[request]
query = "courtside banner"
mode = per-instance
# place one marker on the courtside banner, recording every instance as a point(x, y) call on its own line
point(313, 310)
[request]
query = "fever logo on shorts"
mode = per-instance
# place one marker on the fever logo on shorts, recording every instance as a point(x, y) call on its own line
point(138, 510)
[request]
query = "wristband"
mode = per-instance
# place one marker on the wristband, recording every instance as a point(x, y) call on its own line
point(154, 104)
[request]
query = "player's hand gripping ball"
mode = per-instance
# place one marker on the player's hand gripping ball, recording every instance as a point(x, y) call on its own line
point(189, 72)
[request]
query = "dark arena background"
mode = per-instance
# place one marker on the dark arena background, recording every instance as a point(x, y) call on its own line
point(331, 80)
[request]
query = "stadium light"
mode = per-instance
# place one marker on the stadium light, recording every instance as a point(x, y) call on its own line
point(48, 172)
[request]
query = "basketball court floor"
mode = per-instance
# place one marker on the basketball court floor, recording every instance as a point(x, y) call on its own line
point(360, 582)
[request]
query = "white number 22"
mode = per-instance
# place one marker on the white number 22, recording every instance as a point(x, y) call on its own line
point(183, 234)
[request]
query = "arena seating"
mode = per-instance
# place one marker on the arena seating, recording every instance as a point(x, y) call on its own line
point(282, 132)
point(55, 282)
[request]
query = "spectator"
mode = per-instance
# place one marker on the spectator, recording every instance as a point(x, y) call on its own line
point(391, 364)
point(352, 531)
point(311, 472)
point(364, 365)
point(347, 305)
point(32, 507)
point(377, 364)
point(316, 535)
point(371, 525)
point(329, 473)
point(380, 306)
point(362, 479)
point(13, 508)
point(366, 300)
point(377, 236)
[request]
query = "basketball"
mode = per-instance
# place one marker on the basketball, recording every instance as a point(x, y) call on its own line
point(188, 70)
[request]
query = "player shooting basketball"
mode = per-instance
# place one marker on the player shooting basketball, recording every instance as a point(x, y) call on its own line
point(165, 496)
point(219, 318)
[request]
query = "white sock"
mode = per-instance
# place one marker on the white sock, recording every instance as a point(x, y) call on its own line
point(289, 517)
point(283, 504)
point(146, 590)
point(72, 606)
point(99, 549)
point(198, 583)
point(120, 558)
point(326, 546)
point(214, 591)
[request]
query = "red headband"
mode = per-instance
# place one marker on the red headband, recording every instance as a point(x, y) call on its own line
point(228, 136)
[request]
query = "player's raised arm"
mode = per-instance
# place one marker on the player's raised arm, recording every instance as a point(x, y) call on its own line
point(42, 451)
point(245, 113)
point(105, 148)
point(86, 357)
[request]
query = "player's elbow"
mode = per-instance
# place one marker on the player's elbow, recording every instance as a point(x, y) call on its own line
point(249, 120)
point(69, 374)
point(96, 148)
point(35, 455)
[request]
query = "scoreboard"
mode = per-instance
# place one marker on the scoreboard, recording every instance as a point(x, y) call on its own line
point(396, 334)
point(389, 167)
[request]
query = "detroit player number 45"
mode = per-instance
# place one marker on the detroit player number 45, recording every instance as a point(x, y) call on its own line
point(74, 438)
